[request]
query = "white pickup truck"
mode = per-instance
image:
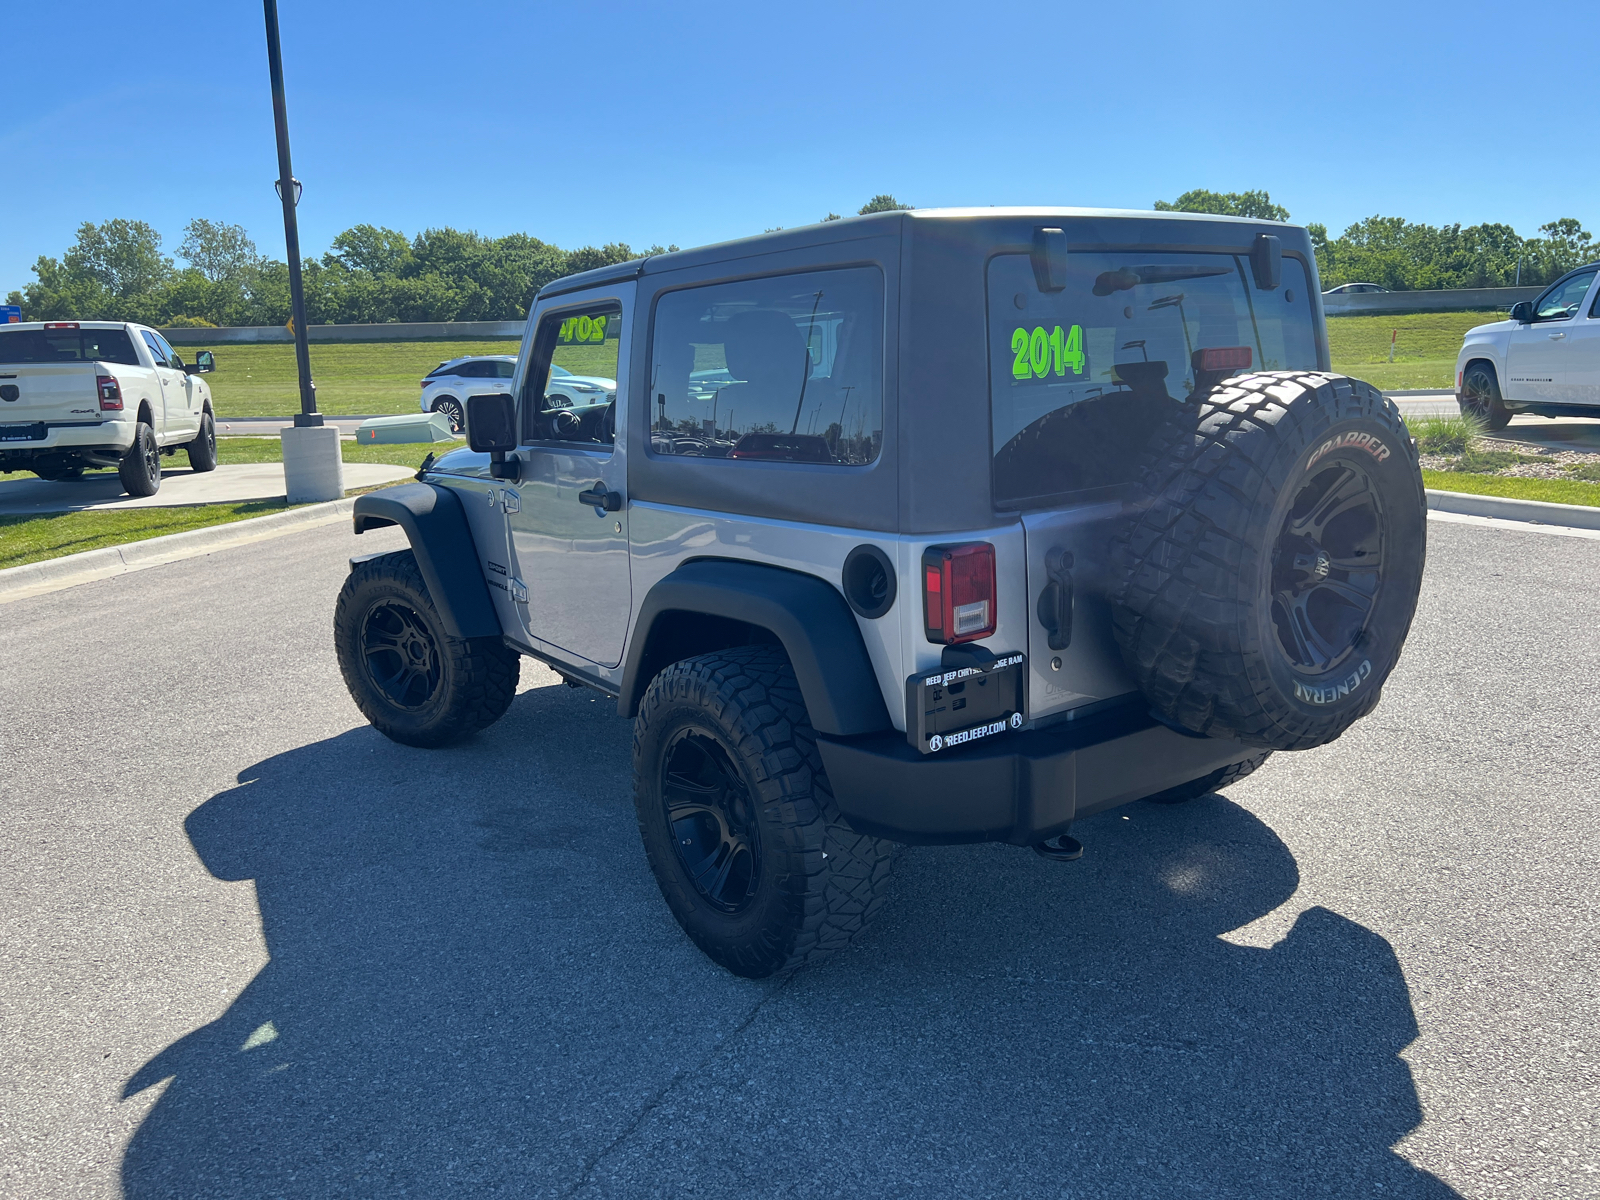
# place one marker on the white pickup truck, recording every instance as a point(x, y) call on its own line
point(82, 394)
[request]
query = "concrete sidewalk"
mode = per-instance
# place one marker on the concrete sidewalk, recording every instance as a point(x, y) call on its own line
point(25, 495)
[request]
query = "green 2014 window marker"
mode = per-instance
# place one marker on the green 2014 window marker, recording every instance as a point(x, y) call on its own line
point(1037, 353)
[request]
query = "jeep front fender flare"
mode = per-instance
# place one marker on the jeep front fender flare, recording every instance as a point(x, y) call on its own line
point(436, 525)
point(808, 617)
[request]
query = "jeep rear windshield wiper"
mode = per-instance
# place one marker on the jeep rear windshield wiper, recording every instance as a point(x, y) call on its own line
point(1128, 278)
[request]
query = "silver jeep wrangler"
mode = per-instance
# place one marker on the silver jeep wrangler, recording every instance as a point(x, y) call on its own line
point(923, 527)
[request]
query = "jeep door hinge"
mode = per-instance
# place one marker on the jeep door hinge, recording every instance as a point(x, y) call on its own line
point(1055, 600)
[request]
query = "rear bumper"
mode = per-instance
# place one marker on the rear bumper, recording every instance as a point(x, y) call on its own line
point(53, 437)
point(1020, 788)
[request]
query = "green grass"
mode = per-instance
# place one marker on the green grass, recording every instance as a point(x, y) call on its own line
point(27, 539)
point(353, 379)
point(357, 378)
point(1556, 491)
point(1425, 348)
point(1450, 434)
point(269, 449)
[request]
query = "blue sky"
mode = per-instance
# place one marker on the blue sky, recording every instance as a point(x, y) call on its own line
point(589, 122)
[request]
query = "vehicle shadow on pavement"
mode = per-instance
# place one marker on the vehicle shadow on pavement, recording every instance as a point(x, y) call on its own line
point(474, 986)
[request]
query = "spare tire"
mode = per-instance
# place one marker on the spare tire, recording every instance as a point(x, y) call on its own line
point(1267, 582)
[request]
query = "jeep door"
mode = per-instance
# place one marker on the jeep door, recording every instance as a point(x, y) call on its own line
point(567, 513)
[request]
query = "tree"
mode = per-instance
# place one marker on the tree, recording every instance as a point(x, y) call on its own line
point(221, 252)
point(124, 257)
point(1256, 205)
point(370, 248)
point(883, 203)
point(833, 216)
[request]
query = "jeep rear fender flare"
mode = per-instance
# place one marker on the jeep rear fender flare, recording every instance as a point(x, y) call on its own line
point(806, 615)
point(436, 525)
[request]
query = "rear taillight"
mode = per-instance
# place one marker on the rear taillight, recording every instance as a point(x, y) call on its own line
point(1223, 358)
point(110, 393)
point(958, 603)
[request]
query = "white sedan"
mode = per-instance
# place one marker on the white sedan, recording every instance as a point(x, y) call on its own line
point(445, 388)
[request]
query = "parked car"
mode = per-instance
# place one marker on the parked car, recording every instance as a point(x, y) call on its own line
point(445, 389)
point(82, 394)
point(1544, 359)
point(1354, 289)
point(1029, 514)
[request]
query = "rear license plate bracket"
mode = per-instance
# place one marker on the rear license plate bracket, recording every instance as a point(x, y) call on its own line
point(952, 707)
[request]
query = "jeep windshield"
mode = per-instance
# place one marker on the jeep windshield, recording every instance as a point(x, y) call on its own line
point(1079, 378)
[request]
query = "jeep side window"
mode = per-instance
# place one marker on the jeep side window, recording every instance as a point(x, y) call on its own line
point(786, 368)
point(1079, 378)
point(582, 342)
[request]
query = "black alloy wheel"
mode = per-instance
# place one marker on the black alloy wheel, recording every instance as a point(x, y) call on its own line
point(453, 412)
point(1480, 398)
point(713, 819)
point(1327, 566)
point(399, 652)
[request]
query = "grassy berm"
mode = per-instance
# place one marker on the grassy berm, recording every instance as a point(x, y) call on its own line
point(1425, 347)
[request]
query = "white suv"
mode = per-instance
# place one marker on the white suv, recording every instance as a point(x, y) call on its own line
point(446, 388)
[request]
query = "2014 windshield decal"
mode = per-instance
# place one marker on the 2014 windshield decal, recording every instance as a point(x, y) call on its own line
point(1037, 354)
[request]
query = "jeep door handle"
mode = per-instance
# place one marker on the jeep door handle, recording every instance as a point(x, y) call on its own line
point(598, 497)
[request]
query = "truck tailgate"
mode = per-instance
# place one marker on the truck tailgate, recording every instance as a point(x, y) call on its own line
point(49, 392)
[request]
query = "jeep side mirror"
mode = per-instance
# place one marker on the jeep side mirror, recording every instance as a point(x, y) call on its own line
point(1266, 261)
point(491, 423)
point(1522, 312)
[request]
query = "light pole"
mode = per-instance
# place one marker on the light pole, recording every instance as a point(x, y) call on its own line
point(313, 467)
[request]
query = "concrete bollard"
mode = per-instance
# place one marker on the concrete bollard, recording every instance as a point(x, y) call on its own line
point(313, 467)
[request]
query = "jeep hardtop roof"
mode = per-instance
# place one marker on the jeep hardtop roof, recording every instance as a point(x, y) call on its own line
point(1120, 226)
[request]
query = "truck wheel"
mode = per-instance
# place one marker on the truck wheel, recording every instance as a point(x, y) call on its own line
point(203, 450)
point(737, 820)
point(1266, 584)
point(1207, 784)
point(1480, 397)
point(140, 468)
point(415, 683)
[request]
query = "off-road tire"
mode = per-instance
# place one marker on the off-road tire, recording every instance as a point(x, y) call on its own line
point(1198, 597)
point(1207, 784)
point(819, 882)
point(470, 681)
point(203, 450)
point(1480, 397)
point(140, 468)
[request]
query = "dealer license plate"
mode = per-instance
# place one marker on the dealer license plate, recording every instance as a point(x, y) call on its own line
point(956, 706)
point(22, 433)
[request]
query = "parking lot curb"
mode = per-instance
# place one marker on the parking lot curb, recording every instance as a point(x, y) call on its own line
point(34, 579)
point(1537, 512)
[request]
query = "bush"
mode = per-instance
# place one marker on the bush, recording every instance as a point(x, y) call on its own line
point(1445, 434)
point(180, 321)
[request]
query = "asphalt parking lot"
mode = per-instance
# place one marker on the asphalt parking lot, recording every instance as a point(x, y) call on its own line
point(250, 948)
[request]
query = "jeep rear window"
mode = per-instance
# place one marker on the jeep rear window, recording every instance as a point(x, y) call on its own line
point(1079, 378)
point(67, 345)
point(787, 368)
